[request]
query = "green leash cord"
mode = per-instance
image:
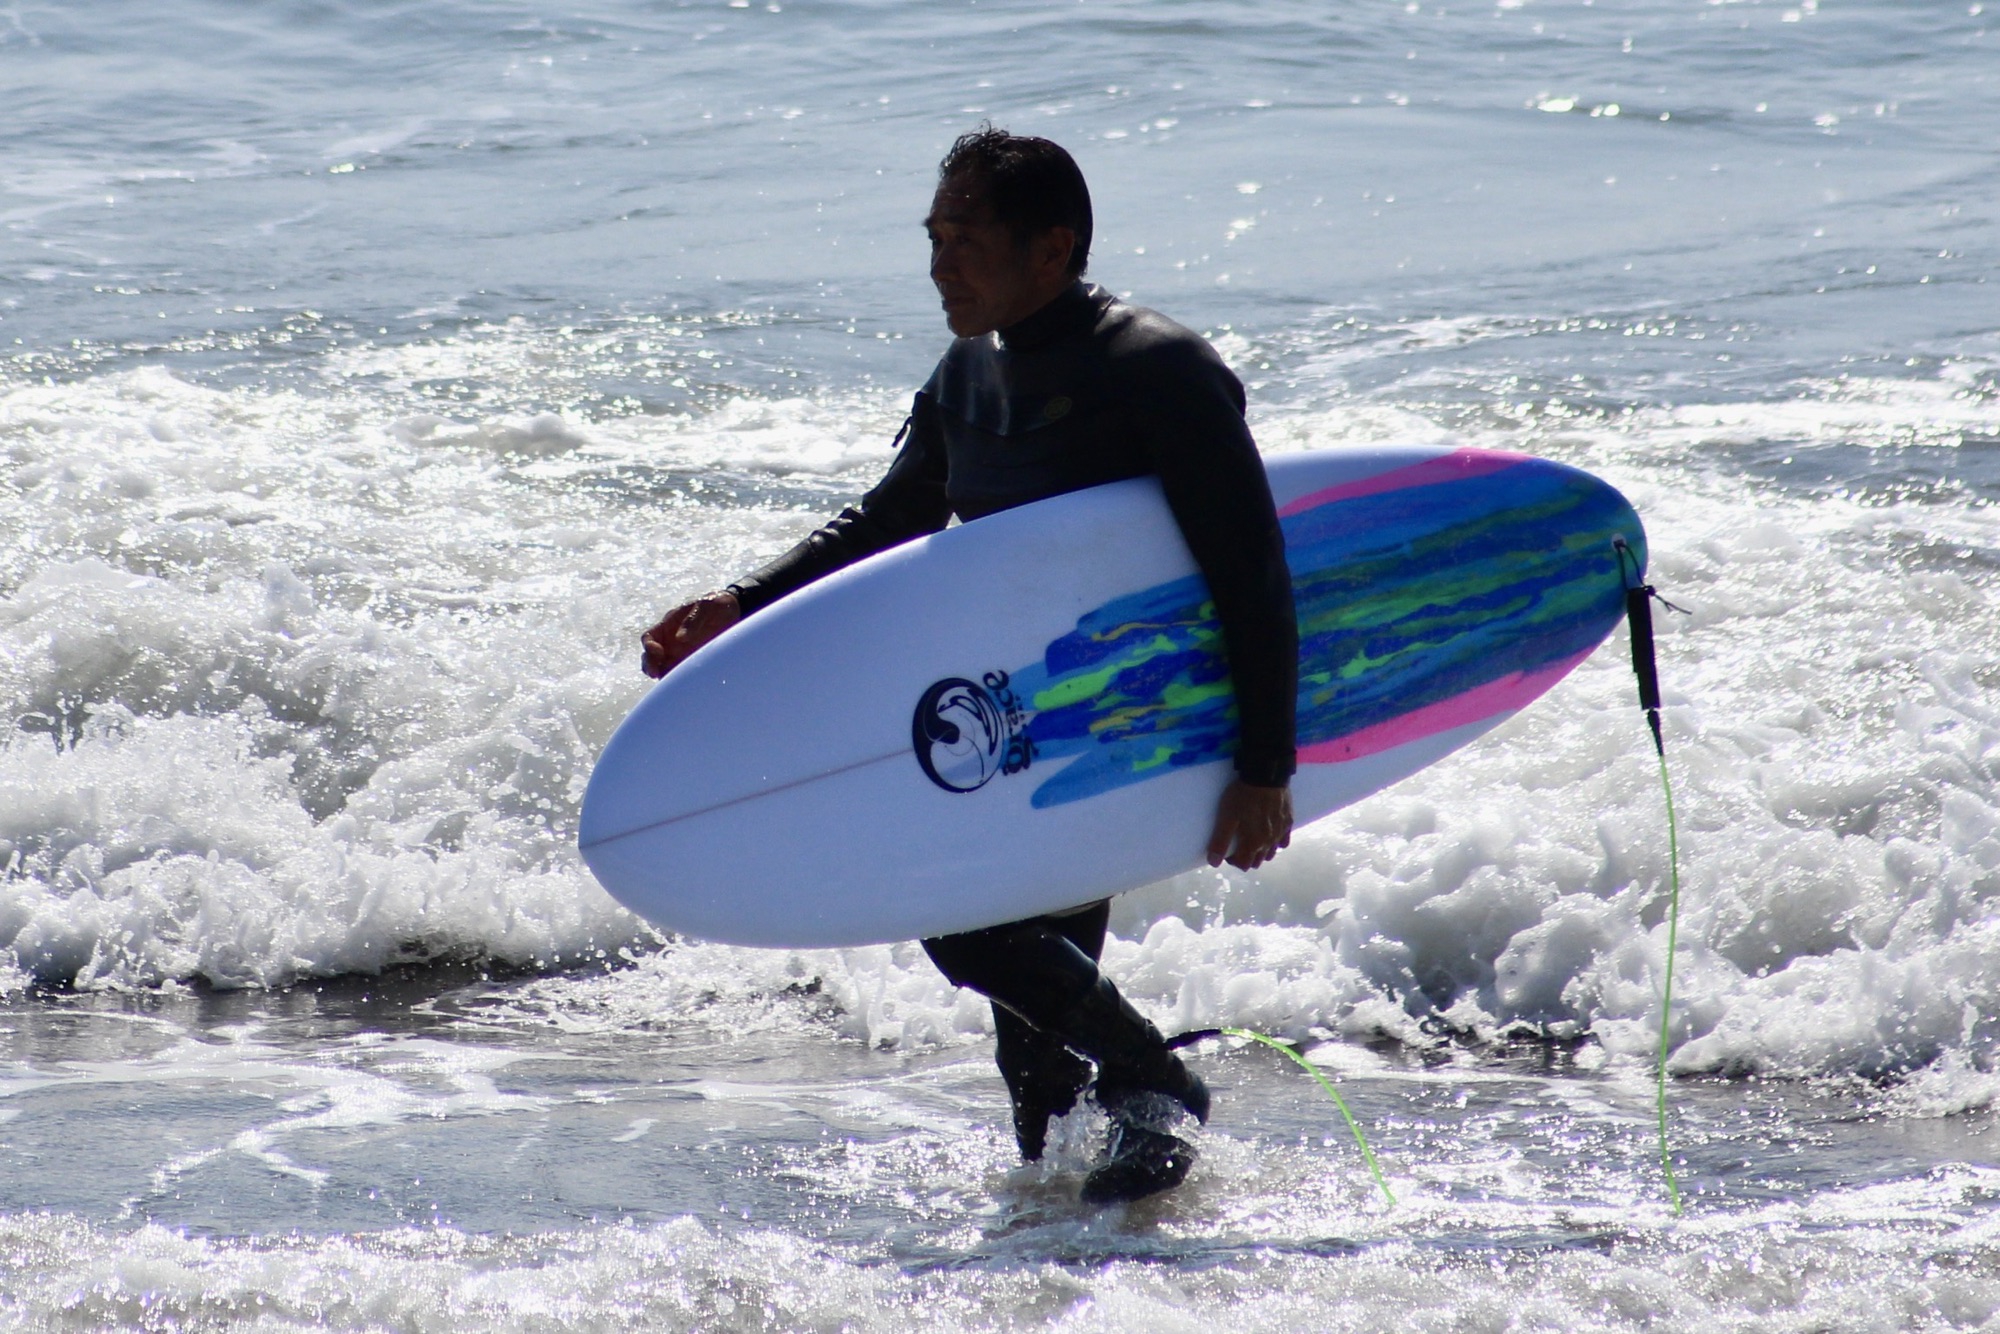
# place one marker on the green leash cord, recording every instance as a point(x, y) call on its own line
point(1292, 1054)
point(1667, 995)
point(1639, 597)
point(1331, 1092)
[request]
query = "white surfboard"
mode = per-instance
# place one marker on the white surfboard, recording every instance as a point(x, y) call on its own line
point(1032, 711)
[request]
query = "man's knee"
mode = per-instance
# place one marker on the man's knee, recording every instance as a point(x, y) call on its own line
point(1027, 966)
point(958, 957)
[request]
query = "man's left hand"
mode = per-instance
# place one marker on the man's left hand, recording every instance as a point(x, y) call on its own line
point(1251, 824)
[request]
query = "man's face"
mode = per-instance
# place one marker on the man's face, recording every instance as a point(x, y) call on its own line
point(985, 277)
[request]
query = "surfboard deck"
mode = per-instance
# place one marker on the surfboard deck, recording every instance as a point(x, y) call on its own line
point(1033, 711)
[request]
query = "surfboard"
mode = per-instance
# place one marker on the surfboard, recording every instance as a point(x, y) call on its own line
point(1033, 711)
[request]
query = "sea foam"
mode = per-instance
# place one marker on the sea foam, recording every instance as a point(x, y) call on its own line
point(308, 683)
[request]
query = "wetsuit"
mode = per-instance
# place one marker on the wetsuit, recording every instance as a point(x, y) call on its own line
point(1090, 390)
point(1087, 390)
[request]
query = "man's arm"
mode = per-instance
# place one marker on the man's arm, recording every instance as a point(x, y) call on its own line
point(1215, 484)
point(908, 502)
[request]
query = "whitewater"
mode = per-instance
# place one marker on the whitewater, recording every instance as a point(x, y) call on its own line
point(372, 373)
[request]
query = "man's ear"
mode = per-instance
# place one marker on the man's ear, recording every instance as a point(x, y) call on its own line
point(1053, 248)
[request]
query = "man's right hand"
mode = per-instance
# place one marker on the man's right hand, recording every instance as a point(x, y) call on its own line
point(1251, 824)
point(685, 629)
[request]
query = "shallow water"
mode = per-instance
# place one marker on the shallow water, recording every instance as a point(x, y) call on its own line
point(370, 372)
point(410, 1153)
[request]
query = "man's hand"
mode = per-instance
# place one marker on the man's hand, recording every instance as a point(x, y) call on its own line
point(1251, 824)
point(685, 629)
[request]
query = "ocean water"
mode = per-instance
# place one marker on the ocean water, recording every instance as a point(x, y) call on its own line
point(371, 372)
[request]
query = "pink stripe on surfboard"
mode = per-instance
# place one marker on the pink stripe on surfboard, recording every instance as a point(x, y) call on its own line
point(1474, 706)
point(1452, 467)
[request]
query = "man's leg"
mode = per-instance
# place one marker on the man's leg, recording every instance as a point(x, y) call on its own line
point(1043, 1076)
point(1044, 971)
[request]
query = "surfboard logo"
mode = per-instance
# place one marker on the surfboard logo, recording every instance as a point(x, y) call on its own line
point(965, 732)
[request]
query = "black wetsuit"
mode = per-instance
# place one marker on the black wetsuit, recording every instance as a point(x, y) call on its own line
point(1087, 390)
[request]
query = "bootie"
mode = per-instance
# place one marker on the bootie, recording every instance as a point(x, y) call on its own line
point(1131, 1055)
point(1140, 1157)
point(1043, 1078)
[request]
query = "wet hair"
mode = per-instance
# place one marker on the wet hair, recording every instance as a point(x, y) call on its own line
point(1031, 184)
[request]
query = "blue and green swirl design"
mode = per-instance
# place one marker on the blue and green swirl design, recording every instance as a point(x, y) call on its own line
point(1396, 612)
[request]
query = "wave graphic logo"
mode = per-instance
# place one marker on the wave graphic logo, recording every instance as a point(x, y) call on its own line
point(965, 732)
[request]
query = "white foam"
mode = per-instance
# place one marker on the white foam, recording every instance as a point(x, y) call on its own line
point(1771, 1269)
point(327, 675)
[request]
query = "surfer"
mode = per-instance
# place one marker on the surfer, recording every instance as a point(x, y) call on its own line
point(1052, 385)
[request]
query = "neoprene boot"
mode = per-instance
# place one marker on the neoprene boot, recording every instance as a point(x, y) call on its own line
point(1143, 1087)
point(1131, 1056)
point(1140, 1157)
point(1043, 1078)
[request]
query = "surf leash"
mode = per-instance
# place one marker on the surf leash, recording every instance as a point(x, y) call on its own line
point(1639, 599)
point(1319, 1076)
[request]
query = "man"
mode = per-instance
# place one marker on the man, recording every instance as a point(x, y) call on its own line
point(1050, 386)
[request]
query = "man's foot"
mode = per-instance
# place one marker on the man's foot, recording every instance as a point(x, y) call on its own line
point(1139, 1163)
